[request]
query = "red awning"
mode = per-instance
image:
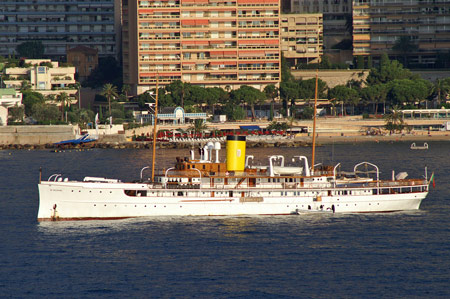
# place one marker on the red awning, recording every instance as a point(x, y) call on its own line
point(272, 42)
point(251, 42)
point(216, 53)
point(223, 63)
point(201, 22)
point(233, 53)
point(188, 22)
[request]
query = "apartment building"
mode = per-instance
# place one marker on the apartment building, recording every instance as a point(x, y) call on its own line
point(60, 25)
point(302, 38)
point(43, 76)
point(224, 43)
point(378, 25)
point(84, 59)
point(336, 17)
point(9, 97)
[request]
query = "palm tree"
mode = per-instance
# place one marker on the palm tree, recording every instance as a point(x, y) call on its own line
point(198, 126)
point(394, 121)
point(441, 89)
point(62, 98)
point(125, 90)
point(109, 92)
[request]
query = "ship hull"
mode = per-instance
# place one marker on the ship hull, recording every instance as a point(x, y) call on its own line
point(83, 201)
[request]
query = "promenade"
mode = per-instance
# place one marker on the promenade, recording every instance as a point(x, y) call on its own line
point(329, 130)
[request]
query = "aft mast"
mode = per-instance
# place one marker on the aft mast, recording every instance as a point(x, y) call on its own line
point(154, 129)
point(314, 124)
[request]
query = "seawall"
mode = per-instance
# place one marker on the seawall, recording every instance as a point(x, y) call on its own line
point(36, 135)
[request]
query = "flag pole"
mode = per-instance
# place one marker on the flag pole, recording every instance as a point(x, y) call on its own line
point(314, 124)
point(155, 119)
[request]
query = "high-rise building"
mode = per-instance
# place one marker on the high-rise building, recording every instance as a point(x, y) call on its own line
point(302, 38)
point(224, 43)
point(419, 28)
point(60, 24)
point(336, 17)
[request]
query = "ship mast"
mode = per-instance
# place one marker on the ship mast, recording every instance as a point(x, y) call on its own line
point(155, 119)
point(314, 124)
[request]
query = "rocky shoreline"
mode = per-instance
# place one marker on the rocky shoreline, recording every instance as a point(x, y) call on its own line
point(145, 145)
point(288, 142)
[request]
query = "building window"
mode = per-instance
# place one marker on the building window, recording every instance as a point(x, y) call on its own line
point(41, 70)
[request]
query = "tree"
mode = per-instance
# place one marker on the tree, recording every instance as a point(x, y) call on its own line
point(286, 74)
point(394, 121)
point(109, 91)
point(198, 126)
point(197, 95)
point(125, 90)
point(404, 46)
point(216, 95)
point(343, 95)
point(360, 62)
point(250, 96)
point(388, 71)
point(271, 92)
point(16, 113)
point(374, 94)
point(441, 89)
point(44, 113)
point(307, 88)
point(289, 91)
point(31, 49)
point(62, 98)
point(25, 85)
point(29, 99)
point(326, 62)
point(180, 93)
point(402, 91)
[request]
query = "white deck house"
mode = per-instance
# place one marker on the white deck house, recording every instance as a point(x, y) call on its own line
point(9, 97)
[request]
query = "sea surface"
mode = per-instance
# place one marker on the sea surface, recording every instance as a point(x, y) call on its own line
point(392, 255)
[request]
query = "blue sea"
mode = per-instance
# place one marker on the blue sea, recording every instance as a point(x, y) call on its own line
point(393, 255)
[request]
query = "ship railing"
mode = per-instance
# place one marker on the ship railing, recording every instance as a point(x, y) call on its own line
point(54, 177)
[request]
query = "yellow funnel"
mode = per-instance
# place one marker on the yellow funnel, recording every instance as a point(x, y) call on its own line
point(235, 153)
